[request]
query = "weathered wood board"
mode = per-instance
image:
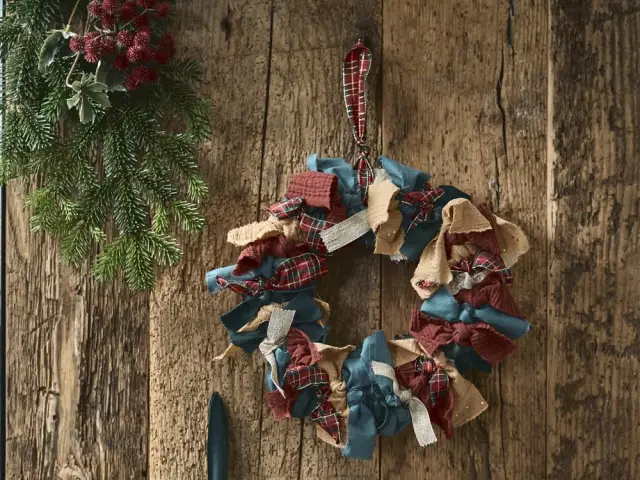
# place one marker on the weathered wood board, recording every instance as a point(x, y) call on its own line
point(77, 366)
point(593, 348)
point(530, 106)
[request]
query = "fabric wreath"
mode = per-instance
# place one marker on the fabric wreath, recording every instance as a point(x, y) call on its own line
point(467, 317)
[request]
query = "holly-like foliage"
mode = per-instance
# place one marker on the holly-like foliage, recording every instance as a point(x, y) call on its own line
point(109, 139)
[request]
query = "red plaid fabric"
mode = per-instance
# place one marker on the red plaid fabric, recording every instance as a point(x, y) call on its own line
point(438, 379)
point(325, 414)
point(354, 75)
point(289, 208)
point(432, 333)
point(486, 261)
point(492, 291)
point(423, 202)
point(430, 383)
point(305, 375)
point(311, 228)
point(318, 190)
point(291, 274)
point(365, 176)
point(253, 254)
point(299, 377)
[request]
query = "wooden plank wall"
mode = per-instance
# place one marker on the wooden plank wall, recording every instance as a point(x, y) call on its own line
point(532, 106)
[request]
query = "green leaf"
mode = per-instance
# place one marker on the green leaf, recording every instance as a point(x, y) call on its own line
point(101, 98)
point(49, 49)
point(73, 101)
point(96, 87)
point(86, 111)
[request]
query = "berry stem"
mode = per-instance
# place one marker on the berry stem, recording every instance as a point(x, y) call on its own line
point(73, 67)
point(133, 20)
point(73, 12)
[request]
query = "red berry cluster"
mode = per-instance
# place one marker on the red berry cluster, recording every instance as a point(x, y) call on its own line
point(126, 38)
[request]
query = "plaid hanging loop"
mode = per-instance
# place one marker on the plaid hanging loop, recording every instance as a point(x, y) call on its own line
point(354, 75)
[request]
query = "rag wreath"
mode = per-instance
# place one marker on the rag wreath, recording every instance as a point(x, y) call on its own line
point(467, 318)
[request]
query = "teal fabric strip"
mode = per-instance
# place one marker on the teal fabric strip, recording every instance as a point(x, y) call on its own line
point(444, 305)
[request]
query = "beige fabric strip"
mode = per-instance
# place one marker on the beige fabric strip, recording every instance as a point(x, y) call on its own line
point(468, 401)
point(513, 242)
point(255, 231)
point(458, 216)
point(405, 350)
point(384, 217)
point(331, 362)
point(419, 413)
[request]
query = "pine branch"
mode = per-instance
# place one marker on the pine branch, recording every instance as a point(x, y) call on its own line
point(131, 170)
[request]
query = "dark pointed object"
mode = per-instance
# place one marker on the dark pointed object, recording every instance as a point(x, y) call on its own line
point(217, 440)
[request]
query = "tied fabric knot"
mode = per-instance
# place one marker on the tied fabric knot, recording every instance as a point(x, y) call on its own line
point(279, 325)
point(423, 202)
point(290, 274)
point(445, 306)
point(418, 411)
point(487, 261)
point(433, 333)
point(303, 376)
point(438, 379)
point(492, 291)
point(338, 395)
point(462, 333)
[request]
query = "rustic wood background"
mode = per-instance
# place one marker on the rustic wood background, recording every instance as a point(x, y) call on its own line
point(532, 105)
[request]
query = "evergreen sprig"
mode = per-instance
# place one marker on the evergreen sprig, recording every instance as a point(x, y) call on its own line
point(115, 170)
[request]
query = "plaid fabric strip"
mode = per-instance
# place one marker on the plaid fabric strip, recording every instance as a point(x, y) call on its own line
point(354, 76)
point(365, 177)
point(325, 414)
point(438, 379)
point(423, 202)
point(291, 274)
point(299, 271)
point(494, 263)
point(486, 261)
point(311, 228)
point(438, 386)
point(303, 376)
point(250, 288)
point(288, 208)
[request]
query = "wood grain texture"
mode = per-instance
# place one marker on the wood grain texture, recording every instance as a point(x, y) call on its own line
point(463, 104)
point(520, 196)
point(77, 366)
point(594, 172)
point(530, 106)
point(231, 40)
point(306, 114)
